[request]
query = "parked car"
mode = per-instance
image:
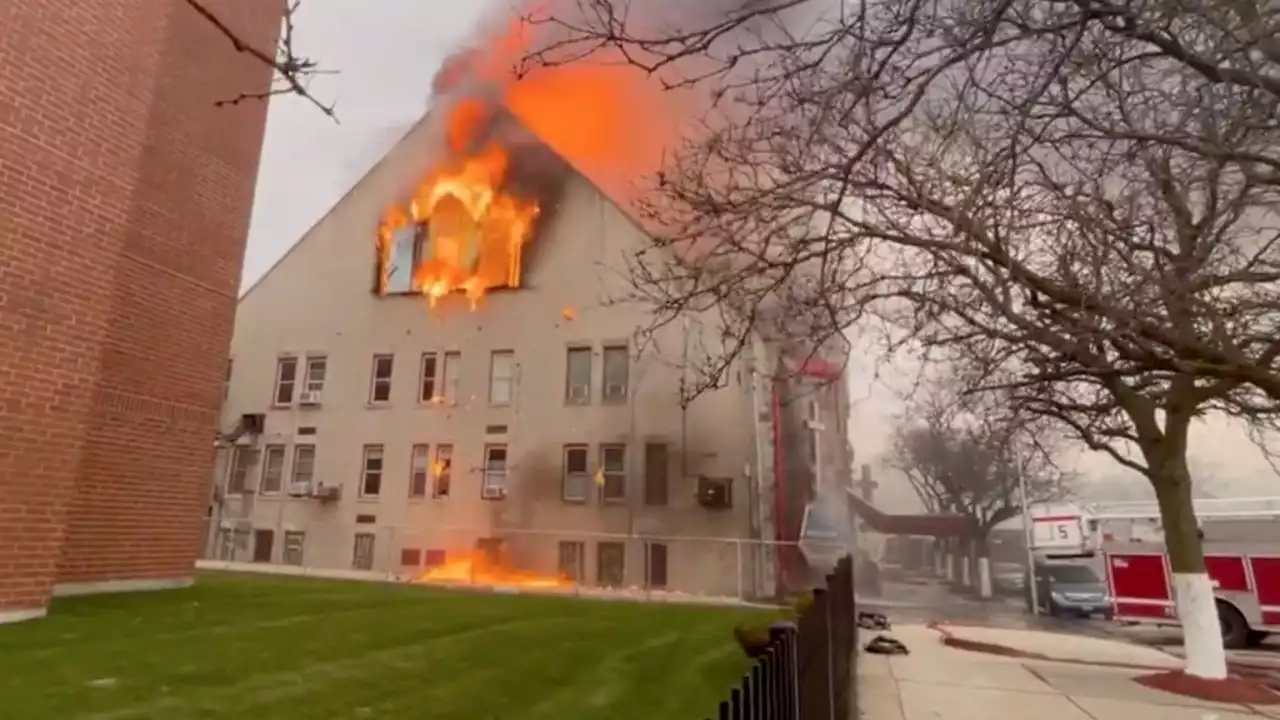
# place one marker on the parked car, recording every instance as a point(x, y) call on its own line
point(1070, 590)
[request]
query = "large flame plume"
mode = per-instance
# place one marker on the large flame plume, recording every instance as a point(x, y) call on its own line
point(607, 120)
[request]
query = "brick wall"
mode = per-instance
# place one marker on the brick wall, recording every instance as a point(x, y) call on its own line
point(124, 205)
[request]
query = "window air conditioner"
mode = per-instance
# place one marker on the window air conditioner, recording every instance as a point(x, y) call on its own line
point(493, 493)
point(615, 390)
point(299, 489)
point(579, 393)
point(309, 397)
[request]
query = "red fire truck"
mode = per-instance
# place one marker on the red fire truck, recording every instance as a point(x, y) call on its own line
point(1242, 556)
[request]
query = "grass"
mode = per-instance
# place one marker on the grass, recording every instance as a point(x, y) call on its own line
point(268, 648)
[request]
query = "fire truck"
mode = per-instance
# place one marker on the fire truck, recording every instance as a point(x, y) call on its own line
point(1242, 556)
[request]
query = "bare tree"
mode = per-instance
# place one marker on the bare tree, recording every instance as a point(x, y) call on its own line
point(1073, 202)
point(293, 73)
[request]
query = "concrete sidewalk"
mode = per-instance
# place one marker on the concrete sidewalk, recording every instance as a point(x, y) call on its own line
point(937, 682)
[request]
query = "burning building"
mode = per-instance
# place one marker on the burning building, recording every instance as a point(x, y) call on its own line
point(442, 378)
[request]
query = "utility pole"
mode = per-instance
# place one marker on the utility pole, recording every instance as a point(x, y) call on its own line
point(1028, 536)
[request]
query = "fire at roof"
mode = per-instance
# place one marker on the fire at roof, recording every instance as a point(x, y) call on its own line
point(511, 141)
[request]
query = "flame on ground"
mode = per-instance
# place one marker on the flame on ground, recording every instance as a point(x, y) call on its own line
point(473, 568)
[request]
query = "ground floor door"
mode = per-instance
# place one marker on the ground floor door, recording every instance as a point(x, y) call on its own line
point(263, 540)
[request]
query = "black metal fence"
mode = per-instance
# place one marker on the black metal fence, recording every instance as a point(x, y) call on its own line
point(806, 671)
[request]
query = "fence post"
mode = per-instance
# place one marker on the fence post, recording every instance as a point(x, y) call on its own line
point(782, 635)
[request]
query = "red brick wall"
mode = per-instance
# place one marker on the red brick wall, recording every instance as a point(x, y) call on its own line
point(124, 206)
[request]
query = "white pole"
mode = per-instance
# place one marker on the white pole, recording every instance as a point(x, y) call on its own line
point(1027, 537)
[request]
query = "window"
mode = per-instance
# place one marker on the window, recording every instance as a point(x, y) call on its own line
point(286, 378)
point(427, 380)
point(371, 475)
point(442, 471)
point(494, 484)
point(452, 376)
point(656, 465)
point(263, 542)
point(577, 478)
point(571, 565)
point(410, 557)
point(314, 379)
point(577, 389)
point(419, 468)
point(380, 388)
point(272, 470)
point(242, 460)
point(406, 248)
point(613, 468)
point(293, 544)
point(655, 565)
point(501, 373)
point(617, 373)
point(362, 552)
point(610, 564)
point(304, 464)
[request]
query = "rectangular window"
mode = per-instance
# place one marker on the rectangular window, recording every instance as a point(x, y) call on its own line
point(380, 387)
point(419, 469)
point(272, 470)
point(263, 545)
point(286, 379)
point(617, 374)
point(400, 265)
point(571, 562)
point(610, 564)
point(494, 484)
point(304, 464)
point(577, 477)
point(427, 380)
point(452, 376)
point(242, 461)
point(362, 552)
point(371, 473)
point(577, 388)
point(442, 471)
point(317, 367)
point(613, 468)
point(655, 565)
point(657, 463)
point(294, 541)
point(502, 364)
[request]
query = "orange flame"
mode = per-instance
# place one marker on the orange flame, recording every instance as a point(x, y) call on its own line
point(610, 121)
point(472, 568)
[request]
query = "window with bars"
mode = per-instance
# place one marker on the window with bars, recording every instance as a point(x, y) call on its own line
point(571, 563)
point(611, 564)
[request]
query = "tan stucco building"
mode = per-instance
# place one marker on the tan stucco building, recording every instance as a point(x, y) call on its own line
point(395, 435)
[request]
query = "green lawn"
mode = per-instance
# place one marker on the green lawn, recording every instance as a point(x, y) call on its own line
point(263, 647)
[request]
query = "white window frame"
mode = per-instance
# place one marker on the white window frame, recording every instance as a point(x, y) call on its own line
point(378, 453)
point(376, 381)
point(293, 538)
point(615, 477)
point(268, 452)
point(502, 372)
point(281, 383)
point(310, 383)
point(577, 393)
point(494, 481)
point(621, 396)
point(442, 471)
point(571, 479)
point(296, 475)
point(239, 475)
point(451, 377)
point(429, 382)
point(419, 463)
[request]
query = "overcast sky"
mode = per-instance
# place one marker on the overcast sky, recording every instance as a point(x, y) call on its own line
point(386, 53)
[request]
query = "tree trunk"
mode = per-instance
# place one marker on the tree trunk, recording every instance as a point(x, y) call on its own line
point(1193, 591)
point(982, 555)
